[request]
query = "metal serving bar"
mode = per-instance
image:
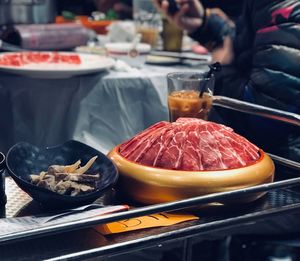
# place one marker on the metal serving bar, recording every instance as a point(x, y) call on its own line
point(286, 162)
point(148, 210)
point(237, 105)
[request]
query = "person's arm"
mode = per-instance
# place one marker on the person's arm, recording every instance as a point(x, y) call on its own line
point(267, 66)
point(275, 74)
point(210, 27)
point(122, 8)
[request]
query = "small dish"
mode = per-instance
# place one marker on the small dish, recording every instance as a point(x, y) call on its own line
point(24, 159)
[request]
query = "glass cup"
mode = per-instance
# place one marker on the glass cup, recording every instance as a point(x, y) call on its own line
point(147, 21)
point(189, 95)
point(172, 37)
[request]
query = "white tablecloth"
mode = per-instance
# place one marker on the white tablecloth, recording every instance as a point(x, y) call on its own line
point(101, 109)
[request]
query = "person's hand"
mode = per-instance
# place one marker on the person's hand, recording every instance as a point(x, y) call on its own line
point(189, 17)
point(224, 54)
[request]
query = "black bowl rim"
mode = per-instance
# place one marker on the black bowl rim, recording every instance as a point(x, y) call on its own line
point(2, 160)
point(14, 176)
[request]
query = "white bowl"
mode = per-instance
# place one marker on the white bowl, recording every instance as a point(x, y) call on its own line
point(122, 51)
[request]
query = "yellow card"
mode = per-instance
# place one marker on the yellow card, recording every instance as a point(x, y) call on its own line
point(155, 220)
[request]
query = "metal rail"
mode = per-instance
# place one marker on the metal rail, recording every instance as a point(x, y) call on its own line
point(148, 210)
point(285, 162)
point(250, 108)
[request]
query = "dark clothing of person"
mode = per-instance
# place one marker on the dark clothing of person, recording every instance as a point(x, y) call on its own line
point(265, 70)
point(85, 7)
point(78, 7)
point(231, 7)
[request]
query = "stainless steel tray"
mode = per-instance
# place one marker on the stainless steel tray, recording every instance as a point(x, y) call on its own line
point(140, 211)
point(81, 243)
point(280, 199)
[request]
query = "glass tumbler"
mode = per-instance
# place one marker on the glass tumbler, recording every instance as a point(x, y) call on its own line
point(172, 37)
point(189, 95)
point(147, 20)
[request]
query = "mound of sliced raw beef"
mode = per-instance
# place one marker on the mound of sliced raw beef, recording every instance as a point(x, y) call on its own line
point(27, 58)
point(190, 144)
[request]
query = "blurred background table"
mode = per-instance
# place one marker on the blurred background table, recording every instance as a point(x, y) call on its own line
point(101, 109)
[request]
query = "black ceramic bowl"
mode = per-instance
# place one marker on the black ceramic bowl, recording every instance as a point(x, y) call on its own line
point(24, 159)
point(2, 180)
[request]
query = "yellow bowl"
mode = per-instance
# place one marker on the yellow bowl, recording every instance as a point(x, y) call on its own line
point(152, 185)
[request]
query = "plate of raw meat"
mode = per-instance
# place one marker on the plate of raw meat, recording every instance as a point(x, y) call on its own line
point(190, 157)
point(53, 64)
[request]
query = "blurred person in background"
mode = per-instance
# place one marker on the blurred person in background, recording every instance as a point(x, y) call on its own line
point(232, 8)
point(122, 7)
point(85, 7)
point(260, 54)
point(78, 7)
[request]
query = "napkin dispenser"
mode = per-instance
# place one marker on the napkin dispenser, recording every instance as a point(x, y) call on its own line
point(27, 11)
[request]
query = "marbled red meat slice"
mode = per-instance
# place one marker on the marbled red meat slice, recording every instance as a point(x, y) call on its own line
point(211, 156)
point(147, 143)
point(128, 147)
point(153, 155)
point(24, 58)
point(230, 157)
point(190, 144)
point(246, 150)
point(71, 59)
point(11, 60)
point(192, 156)
point(34, 57)
point(172, 155)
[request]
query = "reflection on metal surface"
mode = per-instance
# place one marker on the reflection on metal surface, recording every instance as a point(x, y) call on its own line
point(237, 105)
